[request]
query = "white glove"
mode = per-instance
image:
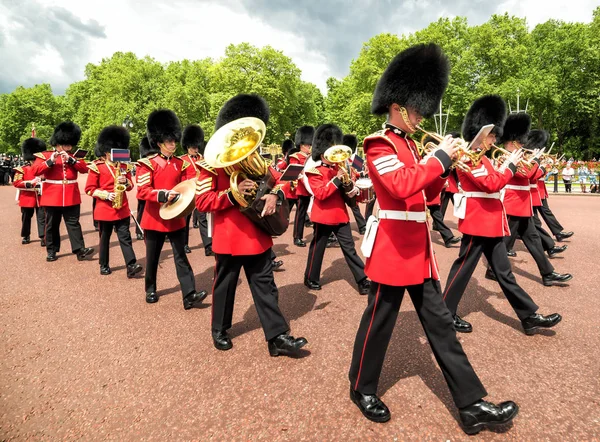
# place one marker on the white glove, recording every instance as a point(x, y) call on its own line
point(353, 192)
point(514, 157)
point(538, 153)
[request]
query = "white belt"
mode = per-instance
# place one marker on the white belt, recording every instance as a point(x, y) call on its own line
point(60, 181)
point(403, 215)
point(493, 196)
point(533, 186)
point(513, 187)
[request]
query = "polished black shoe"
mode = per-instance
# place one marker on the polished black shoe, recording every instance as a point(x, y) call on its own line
point(362, 230)
point(151, 297)
point(42, 242)
point(105, 270)
point(139, 236)
point(452, 241)
point(556, 278)
point(208, 252)
point(481, 414)
point(276, 264)
point(489, 274)
point(82, 253)
point(133, 269)
point(563, 235)
point(195, 226)
point(285, 345)
point(26, 240)
point(221, 341)
point(195, 298)
point(332, 242)
point(308, 224)
point(370, 406)
point(511, 253)
point(537, 321)
point(312, 284)
point(364, 286)
point(187, 249)
point(51, 257)
point(298, 242)
point(555, 251)
point(461, 326)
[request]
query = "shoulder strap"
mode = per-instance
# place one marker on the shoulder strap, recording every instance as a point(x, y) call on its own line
point(380, 135)
point(204, 165)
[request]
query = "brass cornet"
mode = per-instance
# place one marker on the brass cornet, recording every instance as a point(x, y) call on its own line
point(463, 150)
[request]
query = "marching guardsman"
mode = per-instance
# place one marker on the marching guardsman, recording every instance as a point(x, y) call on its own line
point(60, 197)
point(544, 211)
point(108, 183)
point(156, 176)
point(401, 256)
point(517, 202)
point(238, 242)
point(484, 223)
point(193, 143)
point(288, 187)
point(351, 141)
point(303, 141)
point(29, 187)
point(329, 213)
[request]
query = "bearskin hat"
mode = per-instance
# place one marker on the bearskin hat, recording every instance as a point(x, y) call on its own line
point(286, 146)
point(516, 128)
point(537, 139)
point(97, 151)
point(304, 135)
point(193, 136)
point(146, 149)
point(243, 105)
point(416, 78)
point(351, 141)
point(489, 109)
point(66, 133)
point(112, 137)
point(326, 135)
point(32, 146)
point(162, 125)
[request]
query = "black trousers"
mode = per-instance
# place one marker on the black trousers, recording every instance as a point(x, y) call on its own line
point(361, 223)
point(445, 199)
point(138, 217)
point(70, 215)
point(567, 186)
point(438, 222)
point(525, 228)
point(318, 245)
point(494, 249)
point(547, 241)
point(292, 202)
point(26, 215)
point(303, 203)
point(93, 210)
point(259, 273)
point(549, 218)
point(200, 218)
point(154, 244)
point(369, 208)
point(375, 331)
point(122, 228)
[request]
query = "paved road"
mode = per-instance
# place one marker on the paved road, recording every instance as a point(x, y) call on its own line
point(82, 356)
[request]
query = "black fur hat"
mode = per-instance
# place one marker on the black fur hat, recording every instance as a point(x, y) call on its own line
point(351, 141)
point(112, 137)
point(326, 135)
point(162, 125)
point(146, 149)
point(304, 135)
point(536, 139)
point(193, 136)
point(66, 133)
point(97, 151)
point(286, 146)
point(243, 105)
point(489, 109)
point(416, 78)
point(32, 146)
point(516, 128)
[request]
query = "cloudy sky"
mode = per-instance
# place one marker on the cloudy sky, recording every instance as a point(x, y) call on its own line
point(50, 41)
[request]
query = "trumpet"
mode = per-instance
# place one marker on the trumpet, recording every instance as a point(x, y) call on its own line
point(500, 155)
point(464, 154)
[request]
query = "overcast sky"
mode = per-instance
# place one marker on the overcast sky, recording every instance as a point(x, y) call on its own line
point(50, 41)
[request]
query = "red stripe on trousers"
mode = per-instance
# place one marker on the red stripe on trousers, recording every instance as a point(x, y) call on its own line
point(212, 307)
point(367, 337)
point(459, 269)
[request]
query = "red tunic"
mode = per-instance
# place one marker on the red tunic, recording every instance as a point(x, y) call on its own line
point(402, 254)
point(542, 188)
point(155, 175)
point(101, 182)
point(328, 204)
point(194, 170)
point(536, 199)
point(300, 158)
point(233, 232)
point(60, 189)
point(517, 197)
point(436, 201)
point(452, 184)
point(28, 193)
point(484, 216)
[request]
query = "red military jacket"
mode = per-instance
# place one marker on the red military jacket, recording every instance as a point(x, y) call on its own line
point(28, 192)
point(156, 175)
point(233, 232)
point(101, 182)
point(328, 205)
point(300, 158)
point(194, 171)
point(60, 188)
point(402, 254)
point(517, 197)
point(452, 183)
point(437, 199)
point(542, 188)
point(536, 199)
point(484, 216)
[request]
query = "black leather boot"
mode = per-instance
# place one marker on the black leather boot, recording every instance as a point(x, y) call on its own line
point(25, 240)
point(194, 298)
point(221, 340)
point(313, 285)
point(462, 326)
point(481, 414)
point(298, 242)
point(364, 286)
point(537, 321)
point(511, 253)
point(555, 251)
point(556, 278)
point(82, 253)
point(133, 269)
point(151, 297)
point(105, 270)
point(563, 235)
point(489, 274)
point(370, 406)
point(285, 345)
